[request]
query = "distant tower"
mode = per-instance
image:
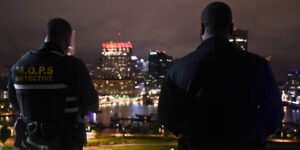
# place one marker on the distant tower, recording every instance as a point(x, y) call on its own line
point(239, 38)
point(71, 51)
point(115, 60)
point(159, 63)
point(293, 85)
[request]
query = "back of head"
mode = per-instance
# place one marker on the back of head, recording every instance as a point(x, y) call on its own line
point(216, 18)
point(58, 28)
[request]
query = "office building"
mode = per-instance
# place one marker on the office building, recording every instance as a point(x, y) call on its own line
point(115, 61)
point(293, 85)
point(139, 67)
point(159, 63)
point(239, 38)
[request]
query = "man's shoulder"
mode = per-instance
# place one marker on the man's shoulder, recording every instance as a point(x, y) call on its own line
point(253, 58)
point(183, 63)
point(74, 61)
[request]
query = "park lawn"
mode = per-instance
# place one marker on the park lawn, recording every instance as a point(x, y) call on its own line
point(129, 140)
point(146, 147)
point(5, 148)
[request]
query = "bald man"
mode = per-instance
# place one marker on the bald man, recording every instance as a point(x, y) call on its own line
point(219, 96)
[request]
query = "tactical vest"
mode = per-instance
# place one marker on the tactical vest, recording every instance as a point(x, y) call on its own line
point(44, 91)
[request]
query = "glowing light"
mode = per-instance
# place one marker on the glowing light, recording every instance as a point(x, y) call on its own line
point(116, 45)
point(234, 29)
point(94, 117)
point(239, 40)
point(153, 53)
point(134, 58)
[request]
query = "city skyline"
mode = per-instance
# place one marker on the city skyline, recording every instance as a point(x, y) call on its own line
point(172, 26)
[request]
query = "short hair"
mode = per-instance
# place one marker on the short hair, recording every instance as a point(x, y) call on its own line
point(58, 28)
point(216, 17)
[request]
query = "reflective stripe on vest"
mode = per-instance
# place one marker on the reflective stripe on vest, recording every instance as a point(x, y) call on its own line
point(72, 98)
point(58, 53)
point(71, 110)
point(39, 86)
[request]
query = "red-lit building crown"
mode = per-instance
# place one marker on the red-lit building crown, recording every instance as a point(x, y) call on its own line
point(115, 45)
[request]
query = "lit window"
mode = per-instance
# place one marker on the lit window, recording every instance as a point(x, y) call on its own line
point(239, 40)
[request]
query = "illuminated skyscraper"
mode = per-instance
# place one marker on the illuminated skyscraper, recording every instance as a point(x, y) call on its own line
point(71, 51)
point(139, 68)
point(293, 85)
point(159, 63)
point(239, 38)
point(115, 60)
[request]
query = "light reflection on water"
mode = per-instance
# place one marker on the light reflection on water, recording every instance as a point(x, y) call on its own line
point(131, 109)
point(125, 110)
point(291, 115)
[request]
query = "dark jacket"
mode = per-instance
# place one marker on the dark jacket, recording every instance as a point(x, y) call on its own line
point(220, 94)
point(51, 88)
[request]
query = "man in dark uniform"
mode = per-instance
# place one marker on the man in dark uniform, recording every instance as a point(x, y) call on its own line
point(53, 92)
point(219, 96)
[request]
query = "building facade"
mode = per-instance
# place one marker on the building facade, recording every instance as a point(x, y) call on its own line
point(116, 87)
point(293, 86)
point(139, 68)
point(239, 38)
point(159, 63)
point(115, 61)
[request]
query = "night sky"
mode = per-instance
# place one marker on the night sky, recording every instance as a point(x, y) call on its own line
point(171, 25)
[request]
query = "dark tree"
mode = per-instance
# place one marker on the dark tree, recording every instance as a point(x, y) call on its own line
point(4, 133)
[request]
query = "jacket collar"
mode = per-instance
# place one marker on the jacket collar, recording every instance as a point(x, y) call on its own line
point(215, 39)
point(48, 46)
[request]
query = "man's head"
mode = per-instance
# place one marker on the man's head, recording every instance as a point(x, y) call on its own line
point(216, 20)
point(59, 31)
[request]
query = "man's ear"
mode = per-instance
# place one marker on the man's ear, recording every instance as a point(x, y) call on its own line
point(202, 29)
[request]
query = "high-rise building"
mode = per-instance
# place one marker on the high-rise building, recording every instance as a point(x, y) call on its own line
point(239, 38)
point(293, 85)
point(115, 61)
point(92, 71)
point(71, 51)
point(159, 63)
point(113, 70)
point(3, 82)
point(139, 68)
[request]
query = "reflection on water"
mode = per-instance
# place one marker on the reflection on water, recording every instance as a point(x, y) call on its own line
point(126, 110)
point(292, 115)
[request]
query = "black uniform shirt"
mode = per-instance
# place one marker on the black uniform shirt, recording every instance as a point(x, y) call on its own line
point(220, 91)
point(46, 83)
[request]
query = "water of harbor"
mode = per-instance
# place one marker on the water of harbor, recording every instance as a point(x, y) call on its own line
point(125, 110)
point(129, 110)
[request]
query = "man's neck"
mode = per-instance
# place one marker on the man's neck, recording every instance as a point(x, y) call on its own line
point(54, 43)
point(207, 36)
